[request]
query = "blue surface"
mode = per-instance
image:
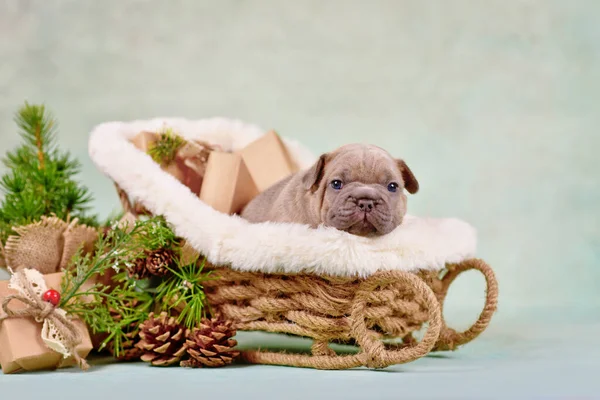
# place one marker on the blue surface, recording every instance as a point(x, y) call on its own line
point(524, 361)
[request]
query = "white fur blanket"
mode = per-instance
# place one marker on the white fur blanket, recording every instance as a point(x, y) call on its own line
point(419, 243)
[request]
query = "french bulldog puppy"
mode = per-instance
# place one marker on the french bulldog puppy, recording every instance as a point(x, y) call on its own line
point(356, 188)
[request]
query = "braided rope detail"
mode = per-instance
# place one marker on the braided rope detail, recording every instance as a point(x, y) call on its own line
point(390, 304)
point(377, 355)
point(449, 338)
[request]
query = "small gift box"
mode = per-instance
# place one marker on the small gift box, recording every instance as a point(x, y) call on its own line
point(34, 333)
point(268, 160)
point(184, 160)
point(233, 179)
point(228, 185)
point(225, 180)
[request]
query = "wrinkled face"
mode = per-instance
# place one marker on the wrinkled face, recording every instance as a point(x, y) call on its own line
point(361, 189)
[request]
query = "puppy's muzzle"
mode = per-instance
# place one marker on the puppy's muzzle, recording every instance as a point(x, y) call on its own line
point(366, 204)
point(365, 198)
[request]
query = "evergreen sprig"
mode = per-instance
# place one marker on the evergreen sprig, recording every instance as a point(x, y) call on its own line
point(164, 150)
point(113, 309)
point(156, 234)
point(113, 312)
point(95, 302)
point(182, 292)
point(39, 181)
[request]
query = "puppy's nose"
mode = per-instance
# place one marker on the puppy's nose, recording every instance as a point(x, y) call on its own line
point(366, 205)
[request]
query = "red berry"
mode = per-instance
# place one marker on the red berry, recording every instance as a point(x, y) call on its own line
point(51, 296)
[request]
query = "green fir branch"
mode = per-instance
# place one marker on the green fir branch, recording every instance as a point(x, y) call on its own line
point(40, 178)
point(164, 150)
point(115, 250)
point(157, 235)
point(110, 312)
point(99, 305)
point(38, 129)
point(85, 297)
point(182, 292)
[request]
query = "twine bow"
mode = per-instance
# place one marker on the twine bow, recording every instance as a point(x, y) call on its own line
point(194, 155)
point(64, 336)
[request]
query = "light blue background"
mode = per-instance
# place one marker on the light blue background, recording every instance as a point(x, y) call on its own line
point(493, 104)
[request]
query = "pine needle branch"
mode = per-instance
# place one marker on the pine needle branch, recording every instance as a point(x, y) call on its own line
point(164, 150)
point(39, 181)
point(116, 250)
point(107, 308)
point(183, 294)
point(38, 128)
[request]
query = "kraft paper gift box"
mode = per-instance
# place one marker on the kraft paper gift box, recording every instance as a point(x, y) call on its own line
point(267, 160)
point(21, 344)
point(233, 179)
point(227, 185)
point(188, 165)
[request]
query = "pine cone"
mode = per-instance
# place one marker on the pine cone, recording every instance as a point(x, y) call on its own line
point(138, 269)
point(158, 261)
point(210, 344)
point(163, 340)
point(153, 263)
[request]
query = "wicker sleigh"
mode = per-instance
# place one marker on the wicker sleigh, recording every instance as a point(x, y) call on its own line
point(387, 305)
point(379, 310)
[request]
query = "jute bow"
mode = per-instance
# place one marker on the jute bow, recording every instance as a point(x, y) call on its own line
point(42, 311)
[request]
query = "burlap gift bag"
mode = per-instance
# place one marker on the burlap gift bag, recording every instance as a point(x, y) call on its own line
point(48, 245)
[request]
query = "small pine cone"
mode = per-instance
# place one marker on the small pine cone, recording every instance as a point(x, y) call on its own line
point(152, 263)
point(162, 340)
point(158, 261)
point(210, 344)
point(138, 269)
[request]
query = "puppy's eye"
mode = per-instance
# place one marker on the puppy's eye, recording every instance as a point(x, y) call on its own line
point(392, 187)
point(336, 184)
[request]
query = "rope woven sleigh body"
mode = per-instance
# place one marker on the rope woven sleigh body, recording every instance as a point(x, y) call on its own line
point(285, 278)
point(387, 305)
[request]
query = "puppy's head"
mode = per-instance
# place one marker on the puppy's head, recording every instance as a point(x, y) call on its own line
point(360, 189)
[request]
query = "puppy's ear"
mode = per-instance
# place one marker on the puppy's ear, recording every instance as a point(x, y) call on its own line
point(410, 182)
point(312, 177)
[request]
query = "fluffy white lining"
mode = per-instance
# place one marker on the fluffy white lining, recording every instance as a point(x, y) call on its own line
point(419, 243)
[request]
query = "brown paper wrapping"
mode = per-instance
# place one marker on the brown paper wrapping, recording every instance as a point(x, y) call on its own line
point(233, 179)
point(227, 186)
point(189, 163)
point(268, 160)
point(227, 181)
point(21, 344)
